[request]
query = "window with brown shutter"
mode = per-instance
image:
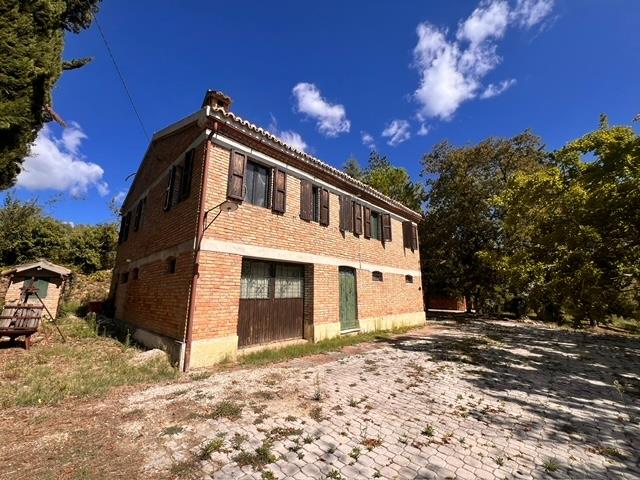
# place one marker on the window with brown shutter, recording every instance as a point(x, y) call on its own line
point(306, 200)
point(137, 219)
point(367, 222)
point(126, 225)
point(386, 227)
point(346, 214)
point(406, 234)
point(279, 191)
point(237, 165)
point(187, 174)
point(324, 207)
point(166, 203)
point(357, 218)
point(177, 183)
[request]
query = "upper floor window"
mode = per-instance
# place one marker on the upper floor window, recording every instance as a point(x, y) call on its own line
point(408, 278)
point(376, 276)
point(315, 200)
point(375, 225)
point(257, 183)
point(171, 265)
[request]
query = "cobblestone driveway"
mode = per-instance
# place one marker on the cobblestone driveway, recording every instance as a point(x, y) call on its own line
point(471, 400)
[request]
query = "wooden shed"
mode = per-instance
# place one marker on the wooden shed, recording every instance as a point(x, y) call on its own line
point(50, 279)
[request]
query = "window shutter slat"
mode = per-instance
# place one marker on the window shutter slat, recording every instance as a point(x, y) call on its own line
point(367, 222)
point(306, 200)
point(237, 167)
point(127, 224)
point(279, 191)
point(324, 207)
point(176, 192)
point(357, 218)
point(386, 227)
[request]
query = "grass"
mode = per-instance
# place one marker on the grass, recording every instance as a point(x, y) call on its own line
point(226, 409)
point(629, 325)
point(215, 445)
point(258, 459)
point(87, 365)
point(551, 465)
point(304, 349)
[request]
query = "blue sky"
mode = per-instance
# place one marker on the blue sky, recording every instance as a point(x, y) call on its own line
point(407, 74)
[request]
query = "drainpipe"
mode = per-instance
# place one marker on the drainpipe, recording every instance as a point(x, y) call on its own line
point(198, 241)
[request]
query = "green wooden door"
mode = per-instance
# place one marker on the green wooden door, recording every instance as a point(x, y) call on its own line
point(348, 299)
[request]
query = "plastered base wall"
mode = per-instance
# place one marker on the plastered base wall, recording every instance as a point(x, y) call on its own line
point(390, 322)
point(213, 350)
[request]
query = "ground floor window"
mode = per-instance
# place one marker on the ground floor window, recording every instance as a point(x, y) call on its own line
point(262, 280)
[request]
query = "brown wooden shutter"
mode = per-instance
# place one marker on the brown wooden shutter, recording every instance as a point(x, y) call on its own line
point(367, 222)
point(137, 217)
point(279, 191)
point(346, 214)
point(187, 174)
point(324, 207)
point(386, 227)
point(127, 224)
point(414, 237)
point(306, 200)
point(357, 218)
point(176, 194)
point(406, 234)
point(166, 203)
point(237, 167)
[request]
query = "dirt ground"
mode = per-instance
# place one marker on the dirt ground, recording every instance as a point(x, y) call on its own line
point(468, 399)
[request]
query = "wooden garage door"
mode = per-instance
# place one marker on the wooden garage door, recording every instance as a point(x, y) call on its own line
point(271, 302)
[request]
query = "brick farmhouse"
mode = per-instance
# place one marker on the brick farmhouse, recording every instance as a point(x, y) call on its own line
point(232, 240)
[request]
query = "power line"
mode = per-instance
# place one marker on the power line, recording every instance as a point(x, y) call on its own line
point(124, 84)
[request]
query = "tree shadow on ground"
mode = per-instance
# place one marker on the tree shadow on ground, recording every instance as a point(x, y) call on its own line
point(579, 388)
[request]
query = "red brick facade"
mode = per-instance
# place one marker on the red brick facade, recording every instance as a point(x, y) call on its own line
point(158, 302)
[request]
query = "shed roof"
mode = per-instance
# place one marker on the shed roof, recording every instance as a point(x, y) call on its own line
point(39, 265)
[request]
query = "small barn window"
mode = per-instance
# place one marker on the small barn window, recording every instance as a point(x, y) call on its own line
point(408, 278)
point(135, 274)
point(124, 277)
point(171, 265)
point(376, 276)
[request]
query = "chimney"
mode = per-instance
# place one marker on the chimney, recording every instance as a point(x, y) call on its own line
point(216, 99)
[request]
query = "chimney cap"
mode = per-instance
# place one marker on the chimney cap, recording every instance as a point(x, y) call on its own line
point(216, 98)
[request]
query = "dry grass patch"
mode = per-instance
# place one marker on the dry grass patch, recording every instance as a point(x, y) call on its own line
point(86, 365)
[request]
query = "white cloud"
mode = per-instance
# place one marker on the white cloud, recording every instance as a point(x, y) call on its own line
point(452, 70)
point(528, 13)
point(119, 198)
point(489, 20)
point(368, 140)
point(56, 163)
point(293, 139)
point(493, 90)
point(397, 132)
point(423, 130)
point(331, 118)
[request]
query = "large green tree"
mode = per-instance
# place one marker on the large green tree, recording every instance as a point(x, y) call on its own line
point(31, 45)
point(573, 228)
point(462, 228)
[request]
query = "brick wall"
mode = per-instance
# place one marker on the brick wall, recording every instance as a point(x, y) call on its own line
point(51, 301)
point(219, 283)
point(158, 300)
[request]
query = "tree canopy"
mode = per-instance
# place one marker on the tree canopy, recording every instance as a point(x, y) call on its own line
point(394, 182)
point(31, 42)
point(27, 233)
point(461, 220)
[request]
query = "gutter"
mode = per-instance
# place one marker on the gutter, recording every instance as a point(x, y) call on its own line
point(198, 241)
